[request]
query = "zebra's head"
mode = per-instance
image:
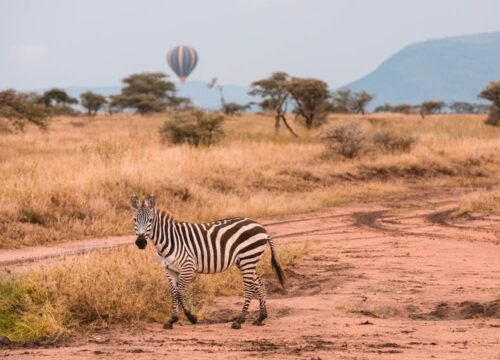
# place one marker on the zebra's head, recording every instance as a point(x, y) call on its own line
point(143, 219)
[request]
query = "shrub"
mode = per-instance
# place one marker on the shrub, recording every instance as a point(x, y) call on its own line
point(394, 143)
point(345, 139)
point(195, 128)
point(350, 141)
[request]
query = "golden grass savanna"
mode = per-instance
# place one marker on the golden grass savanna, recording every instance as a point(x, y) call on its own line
point(124, 286)
point(74, 180)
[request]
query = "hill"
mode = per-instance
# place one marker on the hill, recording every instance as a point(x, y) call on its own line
point(449, 69)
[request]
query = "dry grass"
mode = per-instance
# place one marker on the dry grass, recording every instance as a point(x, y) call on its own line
point(485, 202)
point(120, 286)
point(74, 181)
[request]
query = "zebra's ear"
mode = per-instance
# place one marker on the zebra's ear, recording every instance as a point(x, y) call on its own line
point(134, 201)
point(150, 202)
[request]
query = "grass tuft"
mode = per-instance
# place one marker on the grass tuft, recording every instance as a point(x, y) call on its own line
point(115, 286)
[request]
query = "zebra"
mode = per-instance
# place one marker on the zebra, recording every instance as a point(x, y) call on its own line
point(186, 248)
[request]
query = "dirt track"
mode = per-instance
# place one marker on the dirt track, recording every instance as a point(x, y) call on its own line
point(399, 279)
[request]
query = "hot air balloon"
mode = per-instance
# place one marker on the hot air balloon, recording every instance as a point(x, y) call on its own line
point(182, 60)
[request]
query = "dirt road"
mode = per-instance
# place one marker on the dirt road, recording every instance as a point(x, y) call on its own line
point(398, 279)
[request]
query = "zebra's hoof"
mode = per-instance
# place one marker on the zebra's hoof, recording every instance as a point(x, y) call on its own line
point(236, 325)
point(192, 318)
point(168, 326)
point(258, 322)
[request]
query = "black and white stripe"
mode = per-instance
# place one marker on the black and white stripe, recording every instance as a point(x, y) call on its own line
point(185, 249)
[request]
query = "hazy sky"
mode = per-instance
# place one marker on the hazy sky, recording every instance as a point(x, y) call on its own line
point(98, 42)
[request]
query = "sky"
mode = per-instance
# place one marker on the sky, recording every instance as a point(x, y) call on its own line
point(61, 43)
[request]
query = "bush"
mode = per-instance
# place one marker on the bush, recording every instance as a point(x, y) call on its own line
point(350, 141)
point(195, 128)
point(345, 139)
point(394, 143)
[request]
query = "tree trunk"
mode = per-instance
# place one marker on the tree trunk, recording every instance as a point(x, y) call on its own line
point(309, 122)
point(288, 126)
point(277, 125)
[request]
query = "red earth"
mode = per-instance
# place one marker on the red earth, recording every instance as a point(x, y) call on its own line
point(399, 279)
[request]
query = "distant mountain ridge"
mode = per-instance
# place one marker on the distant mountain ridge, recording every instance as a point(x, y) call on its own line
point(449, 69)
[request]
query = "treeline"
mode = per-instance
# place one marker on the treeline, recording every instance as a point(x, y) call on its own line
point(435, 107)
point(306, 101)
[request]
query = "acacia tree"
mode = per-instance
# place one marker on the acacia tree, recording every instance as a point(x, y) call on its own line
point(399, 108)
point(347, 102)
point(461, 107)
point(57, 97)
point(146, 93)
point(92, 102)
point(360, 100)
point(341, 101)
point(275, 94)
point(310, 97)
point(180, 103)
point(431, 107)
point(232, 108)
point(20, 109)
point(492, 93)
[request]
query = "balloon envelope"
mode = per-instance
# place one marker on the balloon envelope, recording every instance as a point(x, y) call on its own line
point(182, 60)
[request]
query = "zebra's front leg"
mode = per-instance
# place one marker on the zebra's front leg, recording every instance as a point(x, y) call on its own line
point(172, 281)
point(185, 278)
point(249, 285)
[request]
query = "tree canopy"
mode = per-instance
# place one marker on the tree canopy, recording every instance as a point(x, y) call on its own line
point(20, 109)
point(146, 93)
point(57, 96)
point(92, 102)
point(310, 97)
point(275, 95)
point(492, 93)
point(431, 107)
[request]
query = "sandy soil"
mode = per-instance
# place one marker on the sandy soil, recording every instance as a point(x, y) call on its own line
point(399, 279)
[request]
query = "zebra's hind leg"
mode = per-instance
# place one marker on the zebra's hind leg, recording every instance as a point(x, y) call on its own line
point(261, 290)
point(248, 273)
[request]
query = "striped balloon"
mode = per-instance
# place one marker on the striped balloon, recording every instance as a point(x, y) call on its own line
point(182, 60)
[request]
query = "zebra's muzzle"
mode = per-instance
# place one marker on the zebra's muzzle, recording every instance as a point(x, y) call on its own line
point(141, 242)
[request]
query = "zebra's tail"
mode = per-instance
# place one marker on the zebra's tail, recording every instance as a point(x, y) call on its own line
point(275, 264)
